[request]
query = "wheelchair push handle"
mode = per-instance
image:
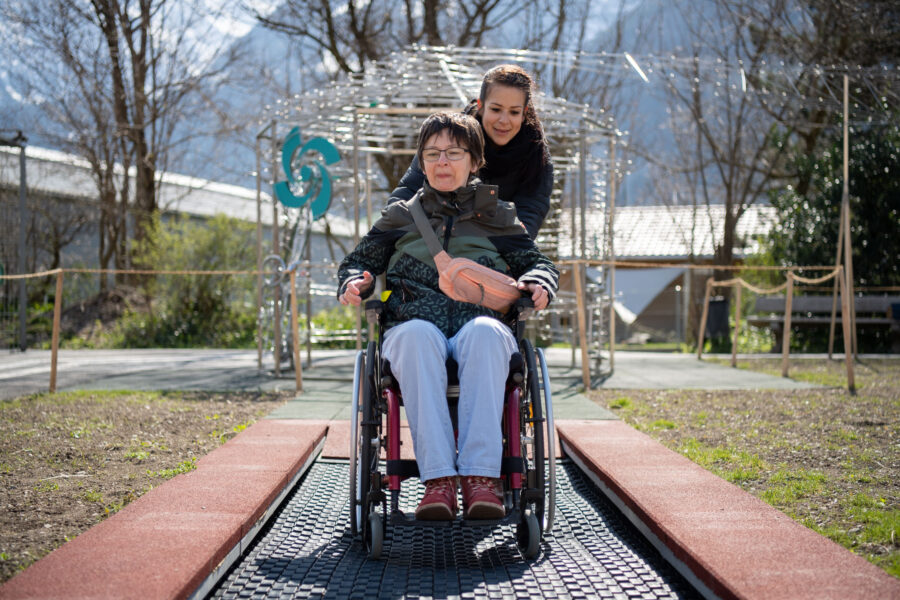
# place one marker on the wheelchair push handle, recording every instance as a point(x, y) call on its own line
point(374, 309)
point(524, 307)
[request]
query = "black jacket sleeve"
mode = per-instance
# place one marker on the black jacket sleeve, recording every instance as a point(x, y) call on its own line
point(527, 263)
point(372, 254)
point(532, 206)
point(410, 183)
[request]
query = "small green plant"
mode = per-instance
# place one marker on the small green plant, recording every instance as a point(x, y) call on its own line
point(621, 403)
point(822, 378)
point(662, 424)
point(843, 435)
point(137, 455)
point(46, 486)
point(242, 426)
point(184, 466)
point(224, 435)
point(92, 496)
point(787, 487)
point(117, 506)
point(732, 465)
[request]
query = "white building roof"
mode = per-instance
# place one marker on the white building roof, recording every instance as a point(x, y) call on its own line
point(66, 175)
point(665, 232)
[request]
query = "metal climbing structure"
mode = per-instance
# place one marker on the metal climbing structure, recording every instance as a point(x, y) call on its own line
point(373, 118)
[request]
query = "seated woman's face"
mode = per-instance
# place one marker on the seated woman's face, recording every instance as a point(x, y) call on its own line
point(443, 172)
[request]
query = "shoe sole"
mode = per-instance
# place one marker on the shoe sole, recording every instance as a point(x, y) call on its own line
point(435, 512)
point(485, 511)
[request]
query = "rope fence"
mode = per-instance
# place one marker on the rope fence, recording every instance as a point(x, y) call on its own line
point(576, 265)
point(290, 271)
point(740, 284)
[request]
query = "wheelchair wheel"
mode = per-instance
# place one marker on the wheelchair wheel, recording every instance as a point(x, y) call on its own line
point(528, 535)
point(355, 433)
point(550, 485)
point(375, 535)
point(365, 453)
point(533, 434)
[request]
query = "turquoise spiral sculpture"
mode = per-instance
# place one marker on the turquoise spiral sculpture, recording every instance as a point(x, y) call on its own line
point(319, 196)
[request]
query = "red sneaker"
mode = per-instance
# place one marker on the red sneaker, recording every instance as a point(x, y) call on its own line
point(439, 503)
point(482, 498)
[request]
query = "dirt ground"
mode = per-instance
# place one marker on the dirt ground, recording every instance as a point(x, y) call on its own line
point(826, 458)
point(69, 460)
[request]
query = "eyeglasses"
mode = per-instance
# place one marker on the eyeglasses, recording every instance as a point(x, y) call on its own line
point(434, 155)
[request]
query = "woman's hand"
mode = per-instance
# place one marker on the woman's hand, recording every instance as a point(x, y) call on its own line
point(352, 294)
point(539, 295)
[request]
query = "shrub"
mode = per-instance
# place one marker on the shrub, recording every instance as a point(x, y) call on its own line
point(194, 310)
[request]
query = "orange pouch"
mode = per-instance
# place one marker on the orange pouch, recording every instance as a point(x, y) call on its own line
point(464, 279)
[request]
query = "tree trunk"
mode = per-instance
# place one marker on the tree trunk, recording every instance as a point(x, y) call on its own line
point(430, 23)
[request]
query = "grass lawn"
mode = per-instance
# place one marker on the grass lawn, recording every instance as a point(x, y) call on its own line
point(826, 458)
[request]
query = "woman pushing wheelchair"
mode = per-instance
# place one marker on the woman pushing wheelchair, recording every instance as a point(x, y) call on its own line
point(455, 257)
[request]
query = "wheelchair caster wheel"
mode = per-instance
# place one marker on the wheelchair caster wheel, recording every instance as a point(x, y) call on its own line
point(528, 535)
point(375, 536)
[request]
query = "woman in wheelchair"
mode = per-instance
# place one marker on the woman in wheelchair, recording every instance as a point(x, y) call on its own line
point(424, 326)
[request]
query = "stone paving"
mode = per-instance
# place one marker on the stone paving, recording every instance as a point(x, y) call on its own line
point(223, 370)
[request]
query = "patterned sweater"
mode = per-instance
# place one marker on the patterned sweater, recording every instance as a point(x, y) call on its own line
point(471, 223)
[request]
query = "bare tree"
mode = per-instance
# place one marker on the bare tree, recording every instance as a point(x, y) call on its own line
point(744, 110)
point(158, 63)
point(732, 160)
point(114, 79)
point(66, 73)
point(817, 35)
point(355, 32)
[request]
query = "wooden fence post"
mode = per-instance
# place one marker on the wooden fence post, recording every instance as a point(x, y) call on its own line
point(295, 332)
point(54, 344)
point(582, 326)
point(846, 327)
point(786, 337)
point(702, 333)
point(737, 324)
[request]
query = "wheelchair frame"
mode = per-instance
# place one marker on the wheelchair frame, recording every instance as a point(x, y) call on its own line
point(528, 496)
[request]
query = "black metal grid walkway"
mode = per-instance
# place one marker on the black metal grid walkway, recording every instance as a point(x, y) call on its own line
point(307, 551)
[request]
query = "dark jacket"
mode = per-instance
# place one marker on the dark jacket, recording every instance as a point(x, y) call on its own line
point(531, 205)
point(496, 239)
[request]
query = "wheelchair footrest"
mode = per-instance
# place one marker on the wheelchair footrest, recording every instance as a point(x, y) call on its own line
point(402, 519)
point(409, 468)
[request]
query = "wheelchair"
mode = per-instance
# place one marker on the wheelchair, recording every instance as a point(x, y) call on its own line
point(376, 469)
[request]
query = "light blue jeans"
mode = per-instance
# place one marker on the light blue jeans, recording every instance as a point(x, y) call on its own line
point(418, 352)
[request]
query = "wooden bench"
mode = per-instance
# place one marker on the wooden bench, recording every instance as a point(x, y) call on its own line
point(815, 311)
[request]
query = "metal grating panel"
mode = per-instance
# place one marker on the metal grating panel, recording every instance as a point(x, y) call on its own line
point(307, 551)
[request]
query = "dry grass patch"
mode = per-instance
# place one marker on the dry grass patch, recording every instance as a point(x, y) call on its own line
point(71, 459)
